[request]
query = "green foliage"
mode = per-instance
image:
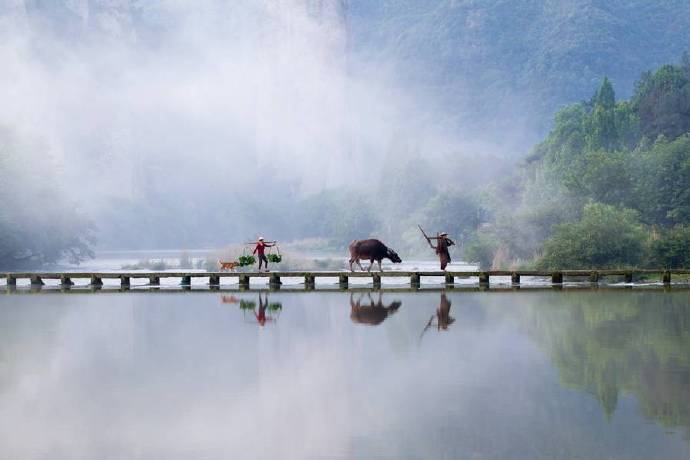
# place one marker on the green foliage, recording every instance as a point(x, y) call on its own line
point(662, 101)
point(632, 156)
point(275, 306)
point(602, 176)
point(662, 181)
point(481, 249)
point(247, 305)
point(601, 131)
point(672, 248)
point(565, 139)
point(274, 258)
point(603, 237)
point(246, 260)
point(451, 211)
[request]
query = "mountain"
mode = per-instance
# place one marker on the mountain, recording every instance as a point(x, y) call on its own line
point(506, 66)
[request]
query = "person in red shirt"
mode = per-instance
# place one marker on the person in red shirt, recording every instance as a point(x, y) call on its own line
point(260, 249)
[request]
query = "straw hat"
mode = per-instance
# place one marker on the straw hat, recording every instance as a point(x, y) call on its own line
point(261, 238)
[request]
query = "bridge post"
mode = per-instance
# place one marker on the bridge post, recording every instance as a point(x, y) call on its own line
point(376, 280)
point(515, 278)
point(343, 281)
point(450, 279)
point(66, 281)
point(154, 280)
point(96, 281)
point(415, 280)
point(11, 281)
point(186, 281)
point(666, 277)
point(274, 280)
point(484, 278)
point(309, 281)
point(628, 277)
point(557, 278)
point(214, 280)
point(36, 281)
point(594, 277)
point(124, 282)
point(244, 281)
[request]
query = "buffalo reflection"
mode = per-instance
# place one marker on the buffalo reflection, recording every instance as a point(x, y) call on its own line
point(442, 316)
point(372, 314)
point(268, 311)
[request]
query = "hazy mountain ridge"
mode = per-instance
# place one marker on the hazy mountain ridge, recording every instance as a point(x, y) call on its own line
point(538, 55)
point(495, 64)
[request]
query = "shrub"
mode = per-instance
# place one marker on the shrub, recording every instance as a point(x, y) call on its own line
point(603, 237)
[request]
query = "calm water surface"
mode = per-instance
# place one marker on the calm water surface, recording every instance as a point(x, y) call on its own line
point(205, 375)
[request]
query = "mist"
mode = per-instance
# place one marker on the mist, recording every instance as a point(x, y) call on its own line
point(180, 125)
point(172, 124)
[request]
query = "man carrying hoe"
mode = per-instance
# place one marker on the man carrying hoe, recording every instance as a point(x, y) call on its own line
point(441, 248)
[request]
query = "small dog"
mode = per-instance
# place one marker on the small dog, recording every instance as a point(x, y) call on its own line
point(228, 265)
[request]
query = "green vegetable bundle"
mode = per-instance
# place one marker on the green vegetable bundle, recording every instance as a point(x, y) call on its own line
point(247, 305)
point(247, 260)
point(275, 306)
point(275, 258)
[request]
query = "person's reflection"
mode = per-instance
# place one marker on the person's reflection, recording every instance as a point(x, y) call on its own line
point(267, 313)
point(442, 316)
point(372, 314)
point(261, 317)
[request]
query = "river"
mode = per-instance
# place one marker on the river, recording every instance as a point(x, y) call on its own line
point(535, 373)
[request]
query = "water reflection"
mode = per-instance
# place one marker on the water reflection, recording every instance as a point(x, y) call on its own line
point(513, 375)
point(635, 347)
point(374, 313)
point(268, 312)
point(442, 316)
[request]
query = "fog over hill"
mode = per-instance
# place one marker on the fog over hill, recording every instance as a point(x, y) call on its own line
point(187, 124)
point(507, 65)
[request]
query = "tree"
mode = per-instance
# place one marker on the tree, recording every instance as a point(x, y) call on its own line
point(601, 124)
point(661, 177)
point(481, 249)
point(602, 176)
point(672, 248)
point(685, 64)
point(603, 237)
point(452, 211)
point(662, 101)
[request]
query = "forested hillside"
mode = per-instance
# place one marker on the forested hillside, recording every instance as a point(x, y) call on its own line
point(507, 65)
point(608, 187)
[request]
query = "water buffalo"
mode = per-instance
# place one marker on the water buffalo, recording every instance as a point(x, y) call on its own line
point(374, 250)
point(372, 314)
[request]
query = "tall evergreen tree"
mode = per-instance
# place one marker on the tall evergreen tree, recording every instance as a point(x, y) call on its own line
point(602, 129)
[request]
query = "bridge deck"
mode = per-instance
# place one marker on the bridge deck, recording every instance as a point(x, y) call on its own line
point(333, 274)
point(96, 278)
